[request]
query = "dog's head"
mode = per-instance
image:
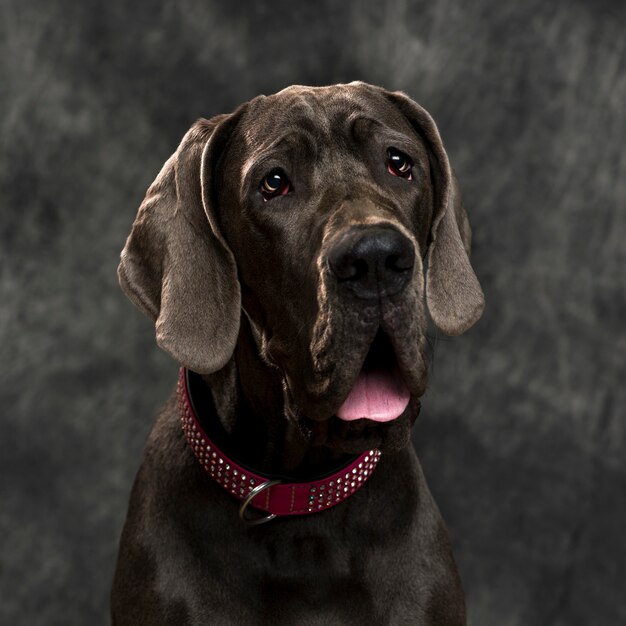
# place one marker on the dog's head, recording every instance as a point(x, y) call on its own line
point(329, 216)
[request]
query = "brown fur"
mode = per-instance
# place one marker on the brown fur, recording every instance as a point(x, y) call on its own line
point(206, 247)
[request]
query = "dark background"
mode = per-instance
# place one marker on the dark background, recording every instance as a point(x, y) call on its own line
point(522, 433)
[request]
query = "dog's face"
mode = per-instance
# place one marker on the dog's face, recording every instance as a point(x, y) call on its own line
point(320, 208)
point(326, 201)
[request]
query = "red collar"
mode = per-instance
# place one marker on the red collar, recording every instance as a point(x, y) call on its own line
point(262, 492)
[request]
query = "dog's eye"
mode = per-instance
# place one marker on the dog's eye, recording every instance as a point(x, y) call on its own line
point(274, 184)
point(399, 164)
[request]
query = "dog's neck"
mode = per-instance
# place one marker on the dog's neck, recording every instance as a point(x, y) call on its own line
point(248, 398)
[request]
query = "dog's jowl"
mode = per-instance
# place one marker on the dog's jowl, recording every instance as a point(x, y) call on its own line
point(290, 253)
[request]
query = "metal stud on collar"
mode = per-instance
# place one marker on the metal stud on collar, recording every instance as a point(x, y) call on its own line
point(253, 521)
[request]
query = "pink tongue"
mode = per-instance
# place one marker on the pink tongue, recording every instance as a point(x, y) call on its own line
point(380, 396)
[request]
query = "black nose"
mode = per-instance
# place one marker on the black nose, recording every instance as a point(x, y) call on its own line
point(373, 261)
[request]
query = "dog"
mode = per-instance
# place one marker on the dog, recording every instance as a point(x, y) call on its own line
point(288, 253)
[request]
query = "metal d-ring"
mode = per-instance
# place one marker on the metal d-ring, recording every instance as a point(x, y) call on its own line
point(255, 492)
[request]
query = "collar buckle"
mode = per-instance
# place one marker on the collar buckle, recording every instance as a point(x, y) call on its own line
point(254, 521)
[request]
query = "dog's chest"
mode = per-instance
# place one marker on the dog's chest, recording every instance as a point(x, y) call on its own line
point(289, 574)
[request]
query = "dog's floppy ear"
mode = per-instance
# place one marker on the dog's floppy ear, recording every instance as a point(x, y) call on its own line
point(453, 294)
point(176, 266)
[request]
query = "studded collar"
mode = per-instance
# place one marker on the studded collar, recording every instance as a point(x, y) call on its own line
point(263, 492)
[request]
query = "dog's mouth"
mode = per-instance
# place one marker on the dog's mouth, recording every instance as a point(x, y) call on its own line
point(376, 397)
point(379, 392)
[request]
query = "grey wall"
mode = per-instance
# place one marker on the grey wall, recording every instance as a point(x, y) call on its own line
point(522, 433)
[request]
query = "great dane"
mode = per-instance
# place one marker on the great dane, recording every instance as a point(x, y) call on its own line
point(289, 253)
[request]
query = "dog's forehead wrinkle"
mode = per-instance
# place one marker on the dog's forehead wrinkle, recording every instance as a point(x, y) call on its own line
point(270, 147)
point(294, 139)
point(324, 111)
point(288, 112)
point(309, 118)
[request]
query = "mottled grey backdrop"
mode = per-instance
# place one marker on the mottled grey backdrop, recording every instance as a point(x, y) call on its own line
point(522, 434)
